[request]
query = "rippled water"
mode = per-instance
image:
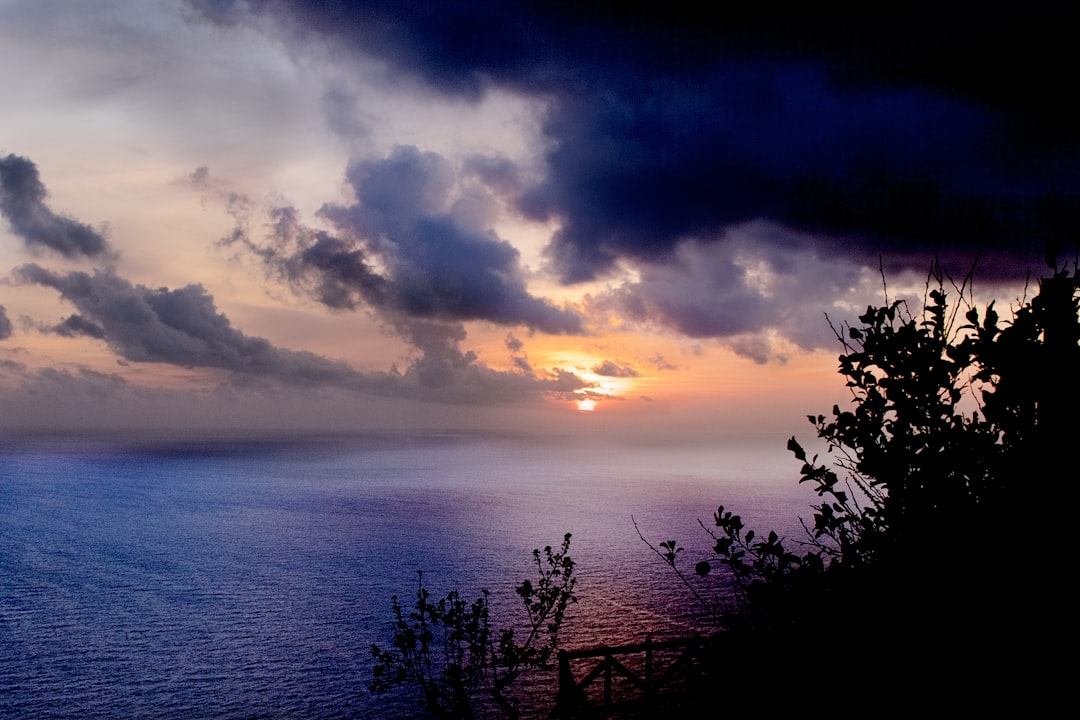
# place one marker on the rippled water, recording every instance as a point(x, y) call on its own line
point(249, 579)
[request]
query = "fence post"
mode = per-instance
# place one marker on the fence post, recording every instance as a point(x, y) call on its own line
point(563, 700)
point(607, 679)
point(649, 690)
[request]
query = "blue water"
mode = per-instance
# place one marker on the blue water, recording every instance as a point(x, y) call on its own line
point(249, 579)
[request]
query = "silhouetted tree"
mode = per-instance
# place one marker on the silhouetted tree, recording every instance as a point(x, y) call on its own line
point(938, 554)
point(462, 667)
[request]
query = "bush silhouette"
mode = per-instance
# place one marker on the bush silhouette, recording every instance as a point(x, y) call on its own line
point(936, 559)
point(462, 667)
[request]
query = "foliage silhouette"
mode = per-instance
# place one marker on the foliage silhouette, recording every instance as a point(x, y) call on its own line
point(926, 544)
point(462, 667)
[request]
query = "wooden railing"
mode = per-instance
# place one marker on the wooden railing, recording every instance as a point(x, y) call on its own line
point(663, 671)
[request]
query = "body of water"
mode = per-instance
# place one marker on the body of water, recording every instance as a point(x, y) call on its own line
point(249, 579)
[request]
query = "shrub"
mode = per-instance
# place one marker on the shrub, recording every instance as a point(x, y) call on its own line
point(940, 539)
point(448, 650)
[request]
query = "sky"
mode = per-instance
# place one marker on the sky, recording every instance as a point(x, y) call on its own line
point(535, 217)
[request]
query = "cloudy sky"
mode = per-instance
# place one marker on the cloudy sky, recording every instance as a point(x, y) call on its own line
point(338, 215)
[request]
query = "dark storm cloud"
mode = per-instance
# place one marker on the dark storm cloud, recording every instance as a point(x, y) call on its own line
point(5, 324)
point(701, 293)
point(444, 368)
point(22, 204)
point(76, 326)
point(415, 245)
point(442, 359)
point(499, 174)
point(183, 327)
point(756, 286)
point(180, 327)
point(929, 129)
point(333, 271)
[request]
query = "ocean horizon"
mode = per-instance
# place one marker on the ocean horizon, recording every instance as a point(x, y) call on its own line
point(249, 577)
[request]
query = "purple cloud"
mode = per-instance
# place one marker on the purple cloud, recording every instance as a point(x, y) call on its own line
point(906, 132)
point(411, 245)
point(22, 204)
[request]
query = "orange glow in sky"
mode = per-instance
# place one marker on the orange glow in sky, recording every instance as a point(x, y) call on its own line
point(380, 254)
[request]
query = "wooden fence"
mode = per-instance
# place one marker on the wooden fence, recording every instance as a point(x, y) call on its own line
point(630, 680)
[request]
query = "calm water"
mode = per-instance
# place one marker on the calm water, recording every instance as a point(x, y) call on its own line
point(249, 579)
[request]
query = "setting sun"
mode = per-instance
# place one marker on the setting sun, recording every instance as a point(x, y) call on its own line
point(586, 405)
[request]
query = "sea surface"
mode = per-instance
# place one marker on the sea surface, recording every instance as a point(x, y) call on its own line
point(249, 578)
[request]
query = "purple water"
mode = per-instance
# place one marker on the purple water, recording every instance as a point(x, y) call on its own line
point(249, 579)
